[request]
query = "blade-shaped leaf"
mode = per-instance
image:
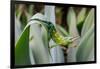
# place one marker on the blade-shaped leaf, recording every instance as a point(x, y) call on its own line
point(81, 16)
point(39, 47)
point(17, 29)
point(35, 50)
point(80, 19)
point(56, 52)
point(22, 49)
point(86, 45)
point(71, 19)
point(61, 30)
point(88, 22)
point(39, 50)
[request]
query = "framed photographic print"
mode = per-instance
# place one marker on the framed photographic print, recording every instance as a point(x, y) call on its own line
point(50, 34)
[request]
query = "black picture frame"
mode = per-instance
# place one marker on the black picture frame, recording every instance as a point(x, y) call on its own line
point(12, 34)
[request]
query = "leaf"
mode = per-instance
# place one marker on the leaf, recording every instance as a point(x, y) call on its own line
point(17, 28)
point(80, 19)
point(31, 9)
point(39, 47)
point(24, 20)
point(45, 37)
point(56, 52)
point(36, 51)
point(53, 46)
point(88, 22)
point(81, 16)
point(73, 32)
point(61, 30)
point(22, 49)
point(86, 45)
point(71, 19)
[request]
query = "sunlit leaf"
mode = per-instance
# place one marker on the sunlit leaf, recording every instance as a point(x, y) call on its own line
point(80, 19)
point(53, 46)
point(56, 52)
point(86, 45)
point(88, 22)
point(22, 49)
point(71, 19)
point(61, 30)
point(39, 50)
point(17, 29)
point(39, 47)
point(81, 16)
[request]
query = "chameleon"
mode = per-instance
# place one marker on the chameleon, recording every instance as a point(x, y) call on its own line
point(56, 36)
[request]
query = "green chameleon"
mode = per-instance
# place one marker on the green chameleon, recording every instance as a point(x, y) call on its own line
point(55, 36)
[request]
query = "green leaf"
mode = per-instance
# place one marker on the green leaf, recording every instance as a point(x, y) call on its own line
point(73, 32)
point(81, 16)
point(31, 9)
point(39, 51)
point(53, 46)
point(86, 45)
point(22, 49)
point(61, 30)
point(39, 44)
point(56, 53)
point(88, 22)
point(71, 19)
point(23, 19)
point(80, 19)
point(17, 29)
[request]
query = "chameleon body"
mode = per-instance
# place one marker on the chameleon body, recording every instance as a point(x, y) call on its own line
point(54, 35)
point(57, 37)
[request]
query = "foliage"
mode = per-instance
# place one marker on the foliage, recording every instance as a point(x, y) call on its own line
point(33, 43)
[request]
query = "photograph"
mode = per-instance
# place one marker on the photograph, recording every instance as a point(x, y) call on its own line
point(49, 34)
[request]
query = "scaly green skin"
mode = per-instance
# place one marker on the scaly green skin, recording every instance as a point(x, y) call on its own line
point(57, 37)
point(54, 35)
